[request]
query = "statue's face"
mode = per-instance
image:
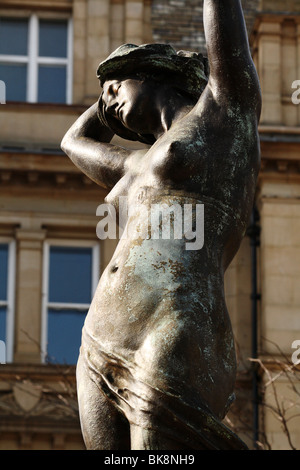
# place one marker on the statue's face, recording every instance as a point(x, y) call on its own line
point(132, 102)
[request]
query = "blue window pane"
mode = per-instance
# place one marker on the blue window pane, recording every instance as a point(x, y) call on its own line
point(53, 38)
point(3, 323)
point(52, 84)
point(13, 36)
point(3, 271)
point(15, 79)
point(70, 274)
point(64, 335)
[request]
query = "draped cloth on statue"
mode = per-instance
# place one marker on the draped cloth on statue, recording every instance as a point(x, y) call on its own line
point(194, 427)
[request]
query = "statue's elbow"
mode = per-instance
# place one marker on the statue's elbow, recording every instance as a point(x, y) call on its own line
point(64, 145)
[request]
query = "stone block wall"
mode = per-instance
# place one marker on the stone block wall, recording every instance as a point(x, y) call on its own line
point(180, 22)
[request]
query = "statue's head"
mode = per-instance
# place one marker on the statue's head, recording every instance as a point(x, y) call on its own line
point(185, 72)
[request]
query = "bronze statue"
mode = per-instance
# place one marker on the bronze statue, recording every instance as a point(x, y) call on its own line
point(157, 364)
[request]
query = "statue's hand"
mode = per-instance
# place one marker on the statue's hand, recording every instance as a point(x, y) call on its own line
point(94, 127)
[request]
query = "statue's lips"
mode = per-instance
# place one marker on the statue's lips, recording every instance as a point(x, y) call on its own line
point(116, 112)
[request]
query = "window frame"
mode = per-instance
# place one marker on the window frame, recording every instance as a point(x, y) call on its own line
point(9, 303)
point(33, 60)
point(45, 285)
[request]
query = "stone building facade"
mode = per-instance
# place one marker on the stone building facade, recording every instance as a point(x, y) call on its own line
point(46, 205)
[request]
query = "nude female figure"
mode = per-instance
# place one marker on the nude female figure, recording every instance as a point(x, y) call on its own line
point(157, 363)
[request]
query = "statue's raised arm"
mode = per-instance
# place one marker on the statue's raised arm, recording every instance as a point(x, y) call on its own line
point(232, 72)
point(157, 363)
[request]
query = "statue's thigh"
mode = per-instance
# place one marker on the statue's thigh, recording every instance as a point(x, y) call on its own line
point(103, 426)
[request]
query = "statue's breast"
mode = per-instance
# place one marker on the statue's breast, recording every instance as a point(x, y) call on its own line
point(179, 158)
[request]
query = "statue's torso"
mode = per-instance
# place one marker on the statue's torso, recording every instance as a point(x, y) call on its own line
point(157, 304)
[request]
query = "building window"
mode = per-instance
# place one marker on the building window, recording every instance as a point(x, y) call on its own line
point(71, 274)
point(35, 59)
point(7, 276)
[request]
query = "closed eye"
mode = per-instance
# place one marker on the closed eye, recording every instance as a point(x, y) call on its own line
point(113, 89)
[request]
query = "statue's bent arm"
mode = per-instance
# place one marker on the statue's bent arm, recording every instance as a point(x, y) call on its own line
point(87, 145)
point(233, 77)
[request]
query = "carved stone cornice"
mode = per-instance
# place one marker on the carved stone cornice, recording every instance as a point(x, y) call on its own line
point(279, 365)
point(43, 180)
point(39, 170)
point(42, 170)
point(280, 152)
point(37, 372)
point(54, 5)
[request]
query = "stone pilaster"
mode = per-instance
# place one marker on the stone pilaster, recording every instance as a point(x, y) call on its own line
point(97, 44)
point(134, 19)
point(298, 63)
point(28, 289)
point(79, 49)
point(289, 71)
point(269, 70)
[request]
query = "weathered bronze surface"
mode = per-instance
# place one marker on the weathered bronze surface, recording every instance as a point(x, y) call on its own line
point(157, 363)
